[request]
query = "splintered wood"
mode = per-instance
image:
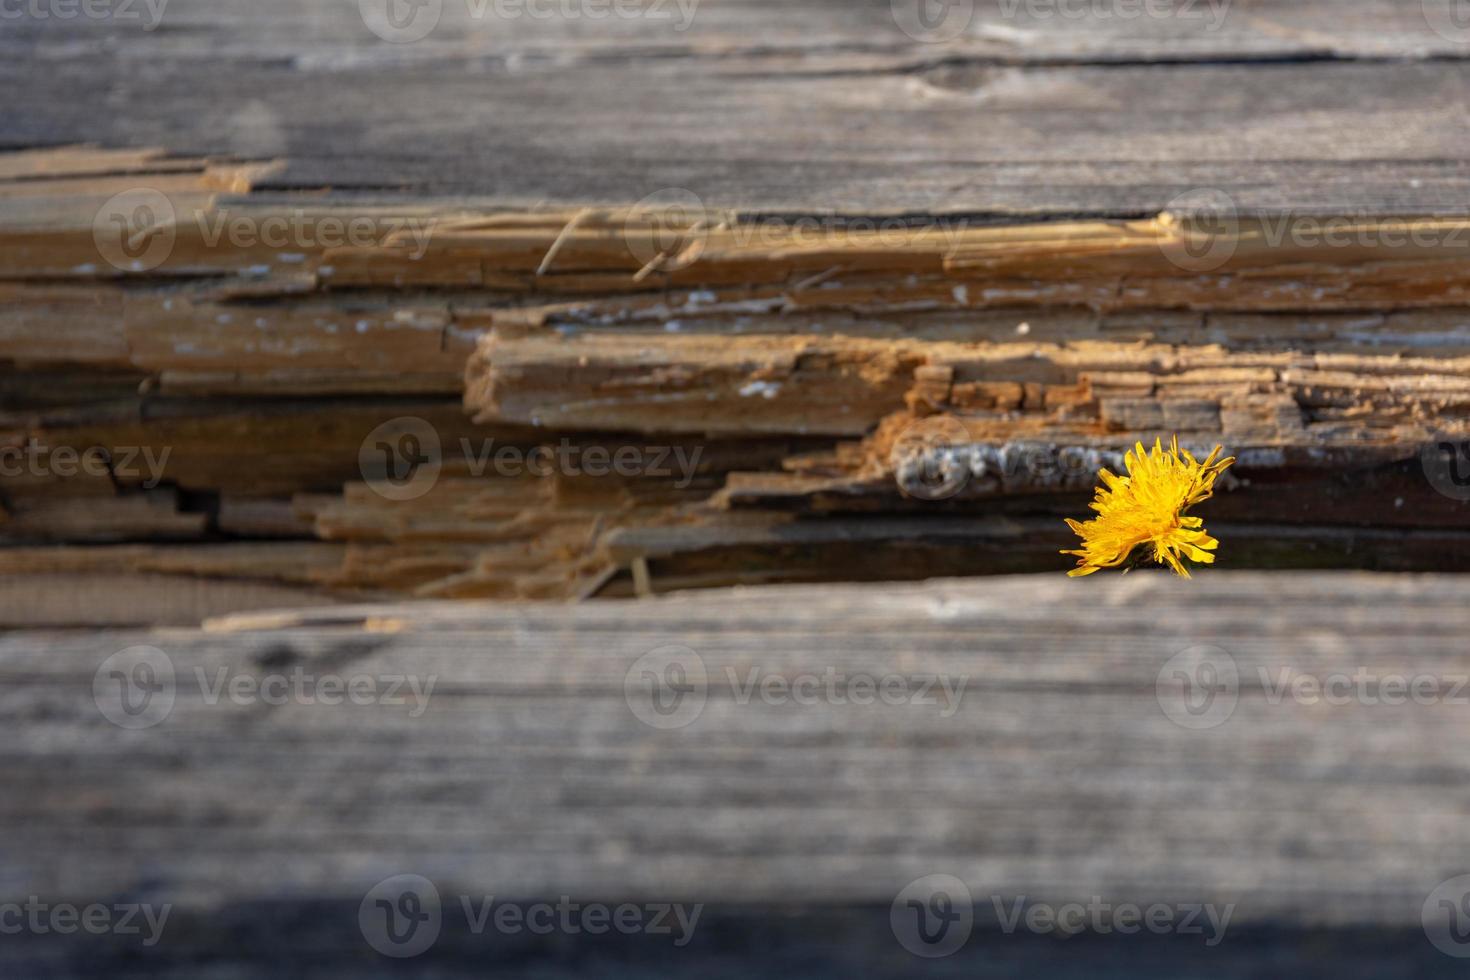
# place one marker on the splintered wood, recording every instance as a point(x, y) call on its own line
point(257, 395)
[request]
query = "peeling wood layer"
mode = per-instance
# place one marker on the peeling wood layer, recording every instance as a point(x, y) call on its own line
point(851, 396)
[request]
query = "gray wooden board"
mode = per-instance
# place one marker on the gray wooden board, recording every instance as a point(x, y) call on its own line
point(777, 107)
point(527, 773)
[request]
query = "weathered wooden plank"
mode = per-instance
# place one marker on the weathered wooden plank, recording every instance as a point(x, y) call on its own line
point(1037, 31)
point(1064, 768)
point(1030, 110)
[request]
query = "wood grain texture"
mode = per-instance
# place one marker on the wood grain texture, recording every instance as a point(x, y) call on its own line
point(802, 363)
point(1036, 159)
point(1057, 772)
point(803, 107)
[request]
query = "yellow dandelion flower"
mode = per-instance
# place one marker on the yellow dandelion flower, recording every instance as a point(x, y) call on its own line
point(1148, 507)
